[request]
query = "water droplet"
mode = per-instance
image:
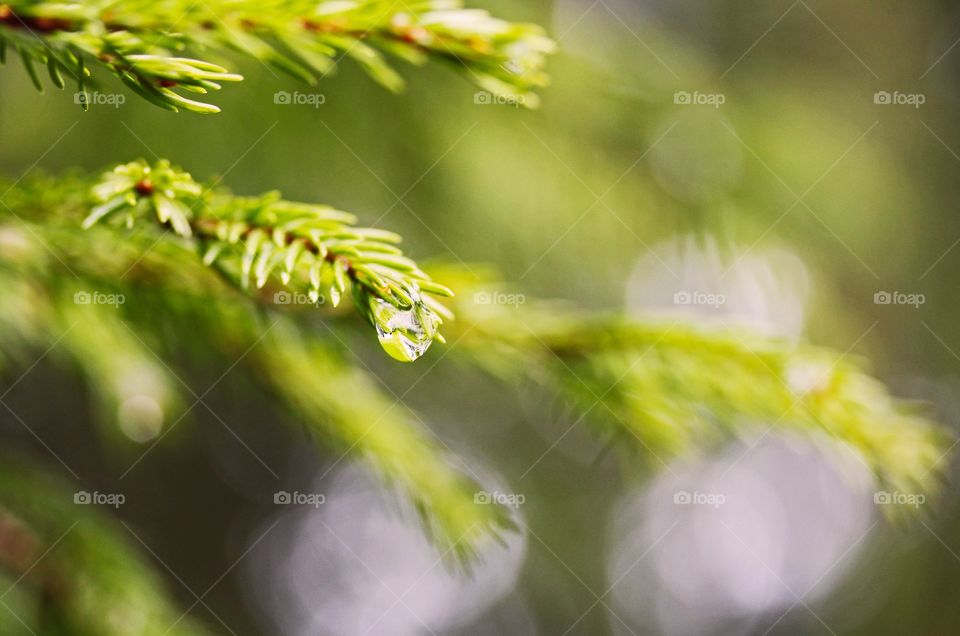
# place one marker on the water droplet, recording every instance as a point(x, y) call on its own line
point(405, 334)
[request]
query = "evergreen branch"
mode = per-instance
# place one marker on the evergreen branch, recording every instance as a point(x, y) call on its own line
point(86, 576)
point(142, 43)
point(672, 389)
point(184, 309)
point(307, 246)
point(321, 387)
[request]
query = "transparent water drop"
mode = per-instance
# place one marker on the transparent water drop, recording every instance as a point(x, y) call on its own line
point(405, 334)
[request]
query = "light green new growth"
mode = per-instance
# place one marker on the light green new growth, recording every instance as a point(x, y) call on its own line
point(315, 251)
point(53, 274)
point(158, 49)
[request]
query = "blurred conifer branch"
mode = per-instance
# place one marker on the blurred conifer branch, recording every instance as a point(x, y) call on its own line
point(666, 389)
point(658, 390)
point(86, 574)
point(60, 281)
point(155, 48)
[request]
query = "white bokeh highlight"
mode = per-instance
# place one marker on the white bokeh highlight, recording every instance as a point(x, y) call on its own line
point(793, 518)
point(362, 564)
point(763, 289)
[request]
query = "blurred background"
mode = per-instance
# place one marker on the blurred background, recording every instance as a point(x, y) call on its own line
point(798, 159)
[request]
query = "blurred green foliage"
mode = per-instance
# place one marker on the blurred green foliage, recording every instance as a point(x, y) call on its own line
point(567, 198)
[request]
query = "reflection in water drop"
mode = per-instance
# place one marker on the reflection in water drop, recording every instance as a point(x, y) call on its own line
point(404, 333)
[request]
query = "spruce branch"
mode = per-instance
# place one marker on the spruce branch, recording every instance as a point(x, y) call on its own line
point(659, 390)
point(177, 308)
point(321, 386)
point(669, 389)
point(155, 47)
point(307, 247)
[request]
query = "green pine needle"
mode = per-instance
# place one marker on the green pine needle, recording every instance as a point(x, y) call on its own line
point(158, 48)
